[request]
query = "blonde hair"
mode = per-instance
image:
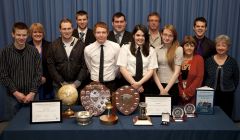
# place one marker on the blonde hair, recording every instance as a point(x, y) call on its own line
point(224, 38)
point(171, 50)
point(36, 26)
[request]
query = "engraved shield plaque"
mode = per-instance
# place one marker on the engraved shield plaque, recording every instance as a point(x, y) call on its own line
point(126, 99)
point(94, 97)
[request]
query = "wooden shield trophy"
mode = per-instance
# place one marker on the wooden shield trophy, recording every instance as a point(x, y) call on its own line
point(126, 99)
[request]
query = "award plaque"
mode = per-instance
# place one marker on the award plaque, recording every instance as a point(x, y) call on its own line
point(127, 99)
point(178, 114)
point(94, 98)
point(189, 110)
point(142, 119)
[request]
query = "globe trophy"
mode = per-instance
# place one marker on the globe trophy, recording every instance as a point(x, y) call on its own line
point(68, 94)
point(142, 119)
point(109, 118)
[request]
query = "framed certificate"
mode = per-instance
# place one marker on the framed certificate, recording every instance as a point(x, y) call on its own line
point(204, 100)
point(156, 106)
point(46, 112)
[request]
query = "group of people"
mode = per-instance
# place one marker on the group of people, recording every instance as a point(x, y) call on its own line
point(151, 61)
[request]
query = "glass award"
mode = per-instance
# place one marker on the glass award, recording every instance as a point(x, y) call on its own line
point(190, 110)
point(178, 114)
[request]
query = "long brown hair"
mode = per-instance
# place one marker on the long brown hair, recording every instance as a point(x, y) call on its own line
point(171, 50)
point(145, 48)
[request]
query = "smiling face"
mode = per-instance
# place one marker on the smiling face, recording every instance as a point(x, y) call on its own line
point(222, 47)
point(167, 36)
point(139, 38)
point(188, 49)
point(37, 35)
point(20, 36)
point(66, 30)
point(119, 24)
point(200, 29)
point(82, 21)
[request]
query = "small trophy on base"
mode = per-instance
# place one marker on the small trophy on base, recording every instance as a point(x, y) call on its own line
point(178, 114)
point(190, 110)
point(110, 118)
point(142, 119)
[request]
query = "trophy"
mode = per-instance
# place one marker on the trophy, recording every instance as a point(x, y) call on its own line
point(126, 99)
point(142, 119)
point(178, 114)
point(109, 118)
point(68, 94)
point(94, 98)
point(189, 110)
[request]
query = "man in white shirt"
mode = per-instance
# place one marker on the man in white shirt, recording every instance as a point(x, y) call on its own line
point(92, 54)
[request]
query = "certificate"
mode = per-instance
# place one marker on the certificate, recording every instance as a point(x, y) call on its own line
point(158, 105)
point(45, 112)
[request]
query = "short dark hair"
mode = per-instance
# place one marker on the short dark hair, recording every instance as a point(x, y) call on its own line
point(154, 14)
point(81, 13)
point(64, 20)
point(19, 25)
point(202, 19)
point(118, 15)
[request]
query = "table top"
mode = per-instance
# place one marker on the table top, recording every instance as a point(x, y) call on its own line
point(212, 126)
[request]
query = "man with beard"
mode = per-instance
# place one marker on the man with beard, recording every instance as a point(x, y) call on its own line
point(205, 46)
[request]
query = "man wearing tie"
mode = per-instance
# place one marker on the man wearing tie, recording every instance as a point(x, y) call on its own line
point(82, 32)
point(119, 33)
point(101, 57)
point(205, 46)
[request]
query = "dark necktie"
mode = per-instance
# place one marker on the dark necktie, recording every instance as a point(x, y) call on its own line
point(117, 37)
point(139, 65)
point(81, 35)
point(101, 64)
point(199, 48)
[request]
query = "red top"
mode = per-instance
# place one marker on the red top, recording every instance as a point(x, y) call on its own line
point(194, 79)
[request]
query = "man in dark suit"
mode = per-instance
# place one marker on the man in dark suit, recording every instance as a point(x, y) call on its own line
point(119, 33)
point(205, 46)
point(82, 32)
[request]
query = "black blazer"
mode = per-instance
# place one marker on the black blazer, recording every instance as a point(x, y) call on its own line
point(127, 37)
point(64, 69)
point(90, 38)
point(47, 87)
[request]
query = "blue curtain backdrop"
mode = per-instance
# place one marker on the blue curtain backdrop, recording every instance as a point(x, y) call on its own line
point(223, 16)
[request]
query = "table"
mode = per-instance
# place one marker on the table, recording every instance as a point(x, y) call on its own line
point(204, 127)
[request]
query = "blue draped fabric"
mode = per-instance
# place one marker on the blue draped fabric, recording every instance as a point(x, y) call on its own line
point(223, 16)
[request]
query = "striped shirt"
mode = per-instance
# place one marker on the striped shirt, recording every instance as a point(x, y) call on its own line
point(20, 71)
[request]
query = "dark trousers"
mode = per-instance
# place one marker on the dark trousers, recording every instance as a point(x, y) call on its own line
point(225, 101)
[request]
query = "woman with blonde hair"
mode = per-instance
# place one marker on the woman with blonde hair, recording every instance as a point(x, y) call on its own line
point(222, 74)
point(170, 57)
point(37, 34)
